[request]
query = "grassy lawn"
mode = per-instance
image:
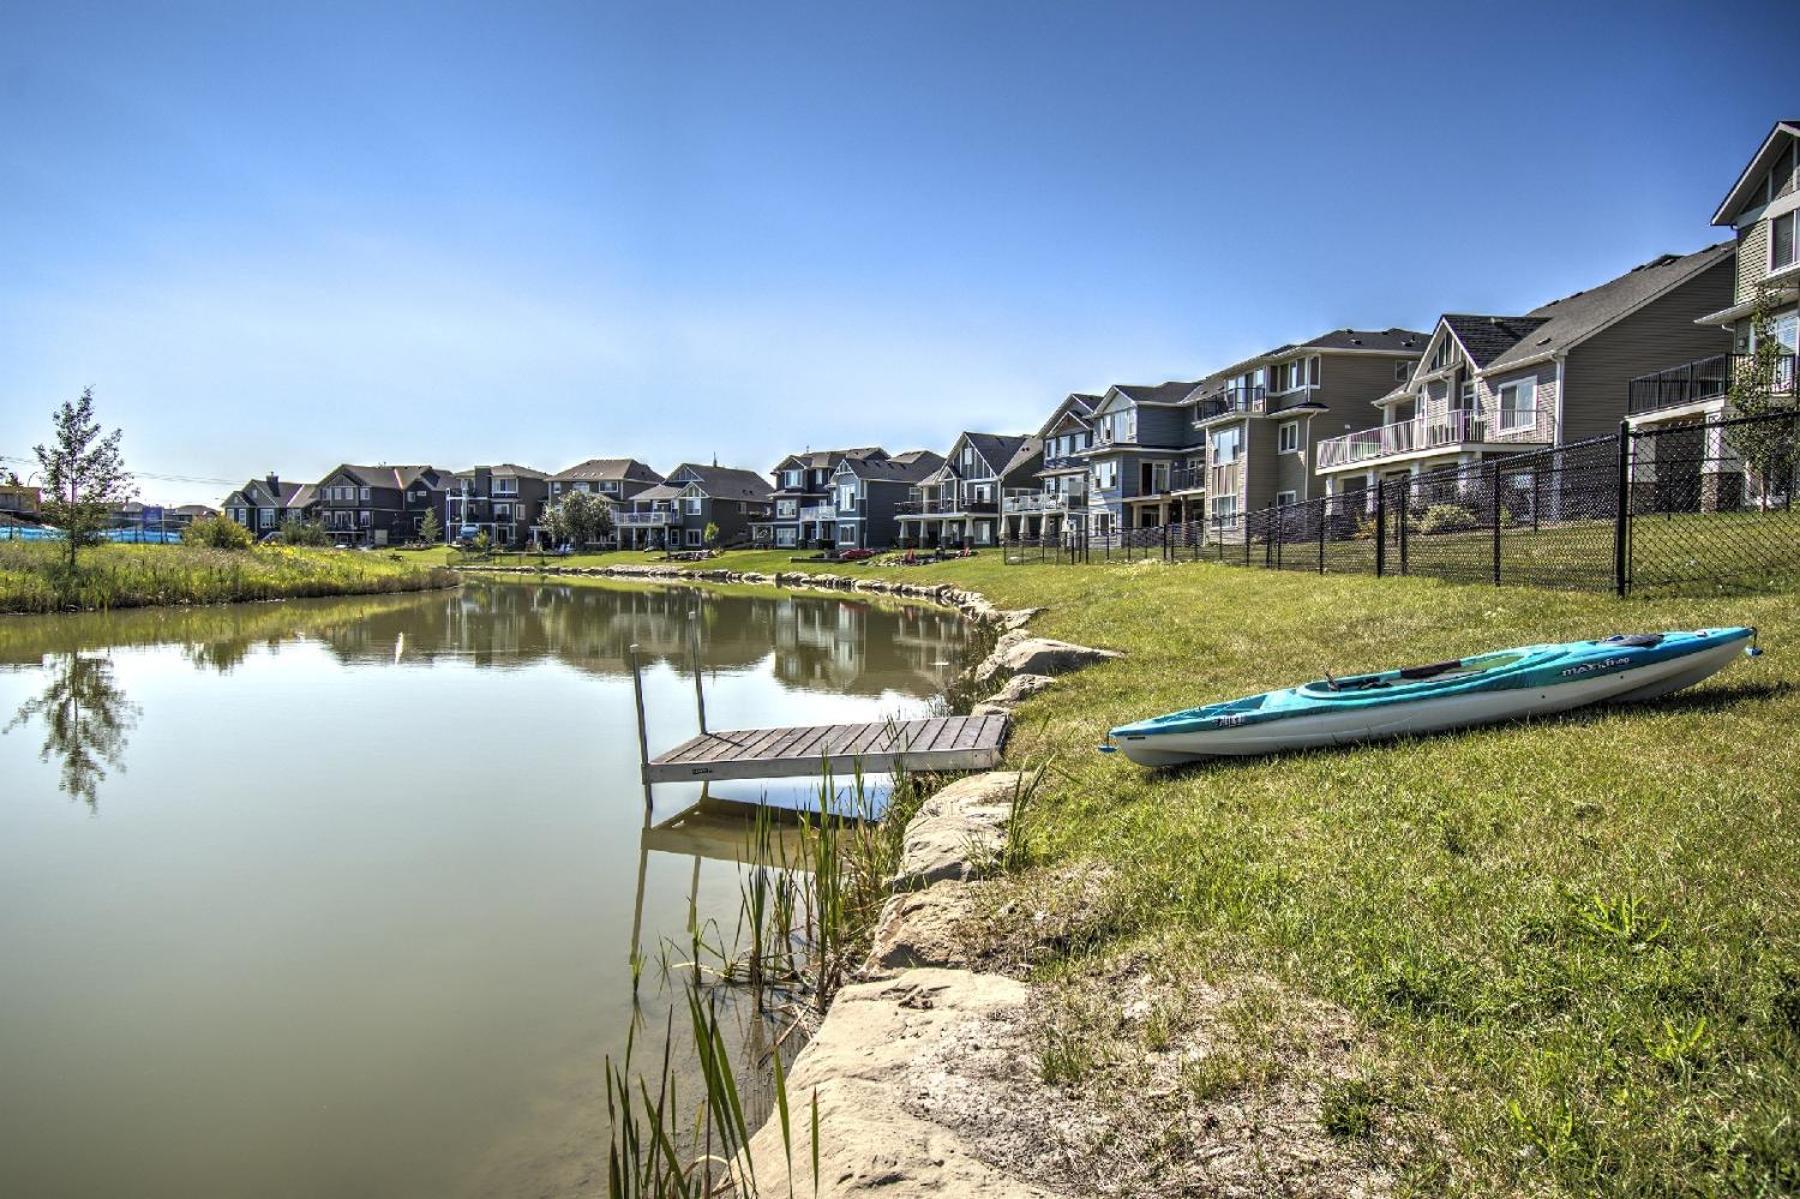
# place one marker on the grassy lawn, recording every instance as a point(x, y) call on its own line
point(1572, 947)
point(34, 578)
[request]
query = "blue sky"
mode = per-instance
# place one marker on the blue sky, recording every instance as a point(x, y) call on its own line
point(280, 237)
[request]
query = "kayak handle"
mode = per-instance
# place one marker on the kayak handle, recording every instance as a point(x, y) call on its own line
point(1752, 650)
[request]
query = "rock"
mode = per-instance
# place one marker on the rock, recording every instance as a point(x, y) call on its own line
point(958, 830)
point(1016, 618)
point(1018, 689)
point(921, 928)
point(1019, 653)
point(878, 1050)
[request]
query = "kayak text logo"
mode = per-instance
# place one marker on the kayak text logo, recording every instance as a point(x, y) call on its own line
point(1603, 664)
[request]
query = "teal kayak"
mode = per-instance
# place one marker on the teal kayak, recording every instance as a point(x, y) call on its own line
point(1507, 684)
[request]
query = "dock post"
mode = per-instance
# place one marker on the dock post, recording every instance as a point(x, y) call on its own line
point(637, 690)
point(699, 686)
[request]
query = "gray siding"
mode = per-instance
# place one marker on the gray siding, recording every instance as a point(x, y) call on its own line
point(1161, 427)
point(1657, 336)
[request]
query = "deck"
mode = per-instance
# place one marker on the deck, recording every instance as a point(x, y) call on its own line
point(875, 747)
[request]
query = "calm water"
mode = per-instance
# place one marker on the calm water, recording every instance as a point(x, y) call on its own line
point(335, 898)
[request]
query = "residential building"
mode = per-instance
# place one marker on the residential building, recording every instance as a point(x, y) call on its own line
point(1055, 504)
point(676, 513)
point(18, 500)
point(805, 512)
point(618, 479)
point(1141, 436)
point(1490, 386)
point(958, 504)
point(1762, 209)
point(868, 493)
point(503, 501)
point(1259, 423)
point(380, 505)
point(264, 505)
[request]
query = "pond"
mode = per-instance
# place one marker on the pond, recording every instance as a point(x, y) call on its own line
point(337, 897)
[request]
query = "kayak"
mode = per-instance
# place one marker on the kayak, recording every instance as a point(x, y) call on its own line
point(1531, 680)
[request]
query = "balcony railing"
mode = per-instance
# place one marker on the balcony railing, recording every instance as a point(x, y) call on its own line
point(1701, 380)
point(1060, 461)
point(948, 507)
point(1440, 430)
point(1187, 478)
point(1241, 397)
point(819, 512)
point(1042, 501)
point(643, 519)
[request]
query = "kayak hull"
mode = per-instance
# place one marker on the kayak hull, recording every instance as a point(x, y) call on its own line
point(1544, 692)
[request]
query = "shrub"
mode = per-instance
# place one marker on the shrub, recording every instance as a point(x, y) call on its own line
point(217, 532)
point(299, 532)
point(1447, 518)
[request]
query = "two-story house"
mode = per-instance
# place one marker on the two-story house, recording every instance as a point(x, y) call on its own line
point(869, 492)
point(617, 479)
point(1259, 422)
point(503, 501)
point(1763, 211)
point(1052, 507)
point(805, 505)
point(264, 505)
point(1492, 386)
point(676, 513)
point(958, 504)
point(380, 505)
point(1142, 436)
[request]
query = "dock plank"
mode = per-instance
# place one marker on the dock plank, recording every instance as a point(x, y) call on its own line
point(933, 743)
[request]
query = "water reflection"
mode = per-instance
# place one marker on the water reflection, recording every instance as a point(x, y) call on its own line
point(86, 719)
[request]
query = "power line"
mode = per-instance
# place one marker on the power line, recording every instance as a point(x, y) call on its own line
point(146, 474)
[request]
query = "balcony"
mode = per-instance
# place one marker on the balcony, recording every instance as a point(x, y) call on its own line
point(819, 512)
point(1237, 399)
point(1187, 478)
point(1042, 501)
point(640, 520)
point(1701, 380)
point(1062, 462)
point(1434, 431)
point(945, 507)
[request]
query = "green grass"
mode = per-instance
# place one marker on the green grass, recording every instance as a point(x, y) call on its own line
point(34, 576)
point(1575, 944)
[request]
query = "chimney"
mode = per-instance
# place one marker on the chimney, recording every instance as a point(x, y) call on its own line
point(274, 482)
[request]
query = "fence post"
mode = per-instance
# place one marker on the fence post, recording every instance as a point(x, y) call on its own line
point(1380, 528)
point(1324, 505)
point(1165, 539)
point(1622, 515)
point(1494, 511)
point(1405, 487)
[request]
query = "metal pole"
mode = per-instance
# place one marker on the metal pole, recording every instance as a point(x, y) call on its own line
point(1405, 489)
point(1324, 504)
point(1494, 507)
point(1622, 517)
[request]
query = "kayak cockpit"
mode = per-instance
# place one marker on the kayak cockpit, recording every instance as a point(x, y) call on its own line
point(1420, 678)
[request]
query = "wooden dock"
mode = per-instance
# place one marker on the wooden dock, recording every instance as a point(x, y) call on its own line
point(874, 747)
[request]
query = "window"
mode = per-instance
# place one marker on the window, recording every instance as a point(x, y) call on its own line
point(506, 487)
point(1444, 355)
point(1312, 370)
point(1224, 507)
point(847, 534)
point(784, 538)
point(1284, 498)
point(693, 536)
point(1287, 437)
point(1106, 475)
point(267, 516)
point(846, 500)
point(1227, 444)
point(786, 509)
point(690, 504)
point(984, 533)
point(1465, 397)
point(1403, 371)
point(1518, 405)
point(362, 518)
point(363, 494)
point(1782, 241)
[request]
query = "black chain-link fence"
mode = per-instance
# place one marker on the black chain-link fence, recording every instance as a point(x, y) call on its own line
point(1709, 503)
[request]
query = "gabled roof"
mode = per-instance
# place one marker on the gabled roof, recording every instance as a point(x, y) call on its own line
point(1162, 393)
point(1738, 198)
point(1375, 341)
point(1565, 323)
point(919, 456)
point(996, 449)
point(720, 482)
point(596, 469)
point(397, 477)
point(505, 470)
point(1485, 338)
point(1077, 406)
point(827, 459)
point(256, 494)
point(914, 470)
point(1030, 449)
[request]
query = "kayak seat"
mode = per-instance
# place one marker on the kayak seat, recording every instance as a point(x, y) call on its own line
point(1635, 640)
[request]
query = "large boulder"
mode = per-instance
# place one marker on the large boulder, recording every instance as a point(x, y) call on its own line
point(1018, 652)
point(922, 928)
point(959, 830)
point(893, 1104)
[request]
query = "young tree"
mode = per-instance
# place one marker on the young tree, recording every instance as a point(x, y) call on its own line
point(555, 522)
point(603, 524)
point(1763, 387)
point(83, 474)
point(430, 530)
point(295, 531)
point(709, 536)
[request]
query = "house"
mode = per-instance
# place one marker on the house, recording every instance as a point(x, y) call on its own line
point(264, 505)
point(616, 478)
point(1049, 509)
point(1493, 385)
point(1763, 210)
point(1260, 422)
point(503, 501)
point(380, 505)
point(868, 493)
point(18, 500)
point(676, 513)
point(805, 512)
point(958, 503)
point(1142, 436)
